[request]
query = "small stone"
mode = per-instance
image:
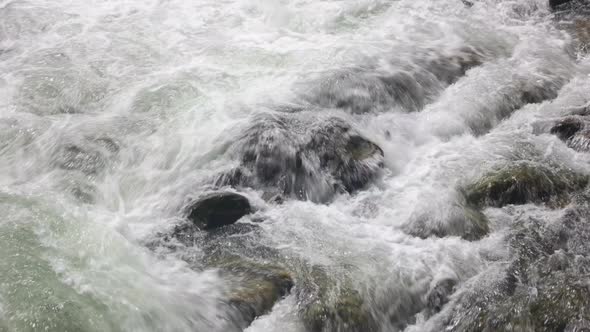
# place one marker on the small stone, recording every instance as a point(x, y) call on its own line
point(219, 209)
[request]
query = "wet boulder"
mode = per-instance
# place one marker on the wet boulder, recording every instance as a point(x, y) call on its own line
point(545, 285)
point(351, 159)
point(254, 287)
point(559, 302)
point(579, 28)
point(254, 274)
point(566, 128)
point(346, 313)
point(457, 217)
point(577, 7)
point(562, 304)
point(303, 156)
point(258, 276)
point(580, 141)
point(556, 3)
point(523, 183)
point(574, 132)
point(218, 209)
point(410, 86)
point(361, 90)
point(438, 296)
point(573, 17)
point(327, 305)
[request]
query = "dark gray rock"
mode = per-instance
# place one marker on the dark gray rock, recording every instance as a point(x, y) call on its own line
point(218, 209)
point(567, 128)
point(580, 141)
point(439, 295)
point(555, 3)
point(574, 131)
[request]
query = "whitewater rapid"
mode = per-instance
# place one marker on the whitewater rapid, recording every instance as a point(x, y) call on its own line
point(158, 90)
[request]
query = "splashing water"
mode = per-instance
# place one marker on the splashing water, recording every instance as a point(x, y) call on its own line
point(115, 114)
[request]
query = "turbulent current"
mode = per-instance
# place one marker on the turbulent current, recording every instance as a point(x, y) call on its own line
point(405, 165)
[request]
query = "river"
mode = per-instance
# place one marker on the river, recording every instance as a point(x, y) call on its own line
point(115, 114)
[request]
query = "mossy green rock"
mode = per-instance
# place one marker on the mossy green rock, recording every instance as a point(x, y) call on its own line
point(256, 286)
point(558, 306)
point(478, 224)
point(545, 286)
point(255, 275)
point(329, 305)
point(344, 313)
point(463, 220)
point(525, 183)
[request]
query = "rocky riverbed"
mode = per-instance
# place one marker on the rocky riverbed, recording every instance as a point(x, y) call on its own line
point(295, 166)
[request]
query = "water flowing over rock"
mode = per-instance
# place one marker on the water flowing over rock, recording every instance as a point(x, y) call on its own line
point(461, 218)
point(555, 3)
point(258, 288)
point(304, 157)
point(574, 132)
point(544, 287)
point(526, 183)
point(295, 165)
point(90, 158)
point(573, 16)
point(365, 89)
point(330, 306)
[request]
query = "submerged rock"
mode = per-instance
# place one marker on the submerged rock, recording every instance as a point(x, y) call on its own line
point(327, 305)
point(525, 183)
point(580, 141)
point(326, 302)
point(455, 218)
point(410, 87)
point(555, 3)
point(567, 128)
point(580, 29)
point(73, 157)
point(303, 156)
point(89, 156)
point(166, 95)
point(60, 90)
point(218, 209)
point(574, 132)
point(574, 17)
point(545, 287)
point(255, 276)
point(255, 287)
point(361, 90)
point(439, 295)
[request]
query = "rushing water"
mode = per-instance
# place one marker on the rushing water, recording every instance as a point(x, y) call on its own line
point(114, 113)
